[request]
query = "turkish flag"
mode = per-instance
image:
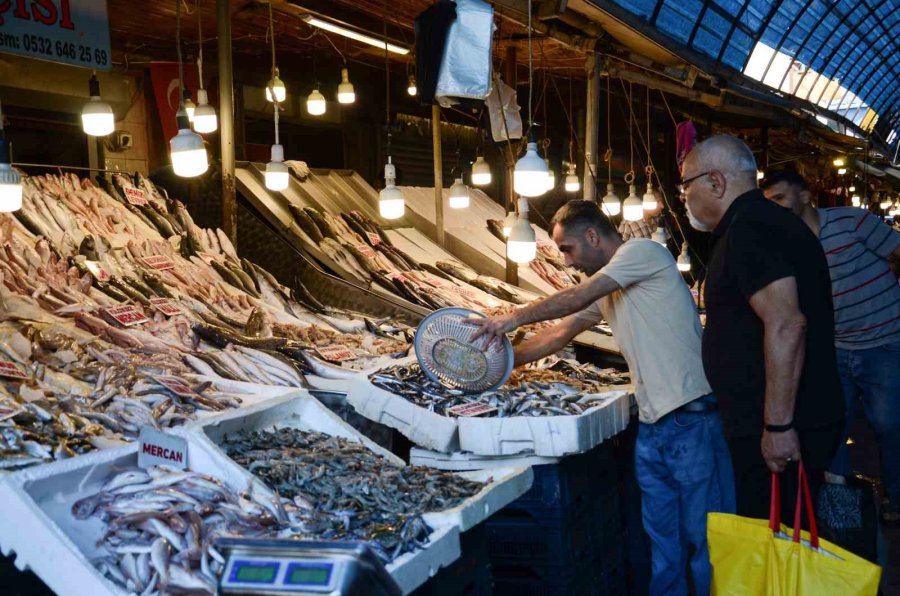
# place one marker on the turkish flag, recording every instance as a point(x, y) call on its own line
point(167, 90)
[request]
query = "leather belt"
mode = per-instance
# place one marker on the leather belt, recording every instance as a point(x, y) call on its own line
point(699, 406)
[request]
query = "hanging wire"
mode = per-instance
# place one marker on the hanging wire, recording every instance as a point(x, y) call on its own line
point(178, 50)
point(608, 155)
point(199, 44)
point(648, 169)
point(341, 54)
point(387, 80)
point(275, 103)
point(571, 125)
point(530, 71)
point(630, 132)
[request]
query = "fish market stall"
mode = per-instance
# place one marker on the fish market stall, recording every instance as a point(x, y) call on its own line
point(556, 408)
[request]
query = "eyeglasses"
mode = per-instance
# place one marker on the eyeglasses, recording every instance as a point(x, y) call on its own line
point(685, 184)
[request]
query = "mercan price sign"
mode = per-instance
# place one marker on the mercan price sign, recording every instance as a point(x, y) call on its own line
point(72, 32)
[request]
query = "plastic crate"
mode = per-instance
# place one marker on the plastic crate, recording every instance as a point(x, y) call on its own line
point(536, 580)
point(539, 541)
point(470, 575)
point(571, 482)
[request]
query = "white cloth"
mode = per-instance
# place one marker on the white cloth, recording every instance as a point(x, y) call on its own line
point(655, 323)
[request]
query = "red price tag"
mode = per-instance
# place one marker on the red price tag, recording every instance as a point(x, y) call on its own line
point(97, 270)
point(176, 386)
point(336, 353)
point(474, 409)
point(158, 262)
point(394, 275)
point(127, 315)
point(366, 251)
point(135, 197)
point(165, 306)
point(374, 239)
point(12, 370)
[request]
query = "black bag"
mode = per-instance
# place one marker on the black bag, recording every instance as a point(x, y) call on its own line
point(847, 515)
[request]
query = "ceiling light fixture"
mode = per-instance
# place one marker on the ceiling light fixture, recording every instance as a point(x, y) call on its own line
point(612, 204)
point(188, 153)
point(481, 172)
point(649, 199)
point(205, 119)
point(97, 117)
point(684, 259)
point(839, 162)
point(345, 94)
point(633, 207)
point(459, 195)
point(276, 176)
point(521, 246)
point(530, 174)
point(354, 35)
point(573, 183)
point(391, 204)
point(842, 171)
point(275, 89)
point(315, 103)
point(411, 88)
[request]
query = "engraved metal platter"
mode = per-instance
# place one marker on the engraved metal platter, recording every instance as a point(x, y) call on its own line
point(447, 356)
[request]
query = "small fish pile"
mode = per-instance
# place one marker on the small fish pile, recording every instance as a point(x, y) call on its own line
point(341, 490)
point(530, 392)
point(161, 526)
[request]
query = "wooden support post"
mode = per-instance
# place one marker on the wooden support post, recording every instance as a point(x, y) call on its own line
point(438, 173)
point(226, 120)
point(591, 128)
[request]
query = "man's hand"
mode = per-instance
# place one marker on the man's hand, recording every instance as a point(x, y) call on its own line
point(493, 328)
point(780, 448)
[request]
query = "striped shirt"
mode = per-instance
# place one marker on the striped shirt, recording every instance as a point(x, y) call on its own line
point(865, 291)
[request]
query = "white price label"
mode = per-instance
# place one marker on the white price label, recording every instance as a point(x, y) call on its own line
point(12, 370)
point(161, 449)
point(135, 196)
point(336, 353)
point(166, 307)
point(158, 262)
point(475, 409)
point(127, 315)
point(374, 239)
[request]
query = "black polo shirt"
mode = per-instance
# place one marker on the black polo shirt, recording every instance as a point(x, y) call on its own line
point(756, 243)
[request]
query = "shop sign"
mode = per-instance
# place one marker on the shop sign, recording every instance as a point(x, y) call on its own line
point(165, 306)
point(135, 196)
point(469, 410)
point(374, 239)
point(127, 315)
point(97, 270)
point(336, 353)
point(158, 262)
point(12, 370)
point(72, 32)
point(161, 449)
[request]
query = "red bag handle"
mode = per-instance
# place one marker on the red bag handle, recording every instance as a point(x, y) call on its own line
point(803, 496)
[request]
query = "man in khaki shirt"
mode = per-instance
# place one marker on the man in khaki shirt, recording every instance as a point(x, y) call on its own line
point(681, 459)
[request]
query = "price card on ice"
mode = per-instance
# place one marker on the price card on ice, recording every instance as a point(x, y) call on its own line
point(158, 262)
point(97, 270)
point(474, 409)
point(127, 315)
point(374, 239)
point(136, 197)
point(12, 370)
point(176, 386)
point(336, 353)
point(166, 306)
point(366, 250)
point(161, 449)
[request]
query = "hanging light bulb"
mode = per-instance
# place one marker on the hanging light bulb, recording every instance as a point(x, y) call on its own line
point(885, 203)
point(660, 235)
point(345, 93)
point(188, 105)
point(508, 223)
point(633, 208)
point(459, 195)
point(684, 259)
point(760, 174)
point(851, 189)
point(855, 200)
point(411, 86)
point(530, 175)
point(10, 181)
point(315, 103)
point(612, 204)
point(842, 171)
point(276, 84)
point(390, 200)
point(205, 119)
point(572, 184)
point(276, 172)
point(97, 117)
point(649, 201)
point(481, 172)
point(839, 162)
point(188, 153)
point(521, 246)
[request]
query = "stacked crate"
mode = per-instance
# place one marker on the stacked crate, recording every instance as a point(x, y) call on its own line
point(564, 536)
point(470, 575)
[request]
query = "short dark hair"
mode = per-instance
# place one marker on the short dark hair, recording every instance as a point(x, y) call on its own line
point(576, 216)
point(790, 176)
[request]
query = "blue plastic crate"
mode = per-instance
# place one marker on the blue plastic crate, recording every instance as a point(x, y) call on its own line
point(571, 482)
point(470, 575)
point(513, 539)
point(537, 581)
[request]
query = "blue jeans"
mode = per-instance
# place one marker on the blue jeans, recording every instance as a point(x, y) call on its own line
point(683, 467)
point(872, 378)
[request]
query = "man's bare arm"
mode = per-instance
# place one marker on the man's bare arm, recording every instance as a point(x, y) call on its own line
point(550, 341)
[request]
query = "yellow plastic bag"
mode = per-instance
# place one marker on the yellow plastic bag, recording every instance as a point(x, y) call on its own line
point(749, 559)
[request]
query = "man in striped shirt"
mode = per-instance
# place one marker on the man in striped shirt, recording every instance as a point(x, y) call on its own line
point(866, 295)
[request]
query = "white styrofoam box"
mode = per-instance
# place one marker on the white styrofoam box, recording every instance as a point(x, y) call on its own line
point(502, 487)
point(417, 424)
point(463, 461)
point(413, 569)
point(316, 382)
point(550, 436)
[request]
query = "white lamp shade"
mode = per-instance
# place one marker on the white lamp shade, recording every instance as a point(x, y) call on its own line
point(190, 108)
point(276, 172)
point(633, 208)
point(521, 247)
point(855, 200)
point(842, 171)
point(10, 189)
point(411, 87)
point(684, 259)
point(188, 154)
point(508, 223)
point(612, 204)
point(459, 195)
point(205, 119)
point(315, 103)
point(530, 176)
point(660, 235)
point(277, 85)
point(345, 93)
point(649, 200)
point(481, 172)
point(851, 189)
point(885, 204)
point(573, 184)
point(390, 202)
point(97, 117)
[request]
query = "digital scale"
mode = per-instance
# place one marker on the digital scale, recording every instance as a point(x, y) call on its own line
point(273, 566)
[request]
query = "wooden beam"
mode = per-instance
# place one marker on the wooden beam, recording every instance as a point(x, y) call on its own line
point(226, 120)
point(591, 129)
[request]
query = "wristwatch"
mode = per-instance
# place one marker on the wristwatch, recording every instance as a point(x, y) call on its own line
point(779, 428)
